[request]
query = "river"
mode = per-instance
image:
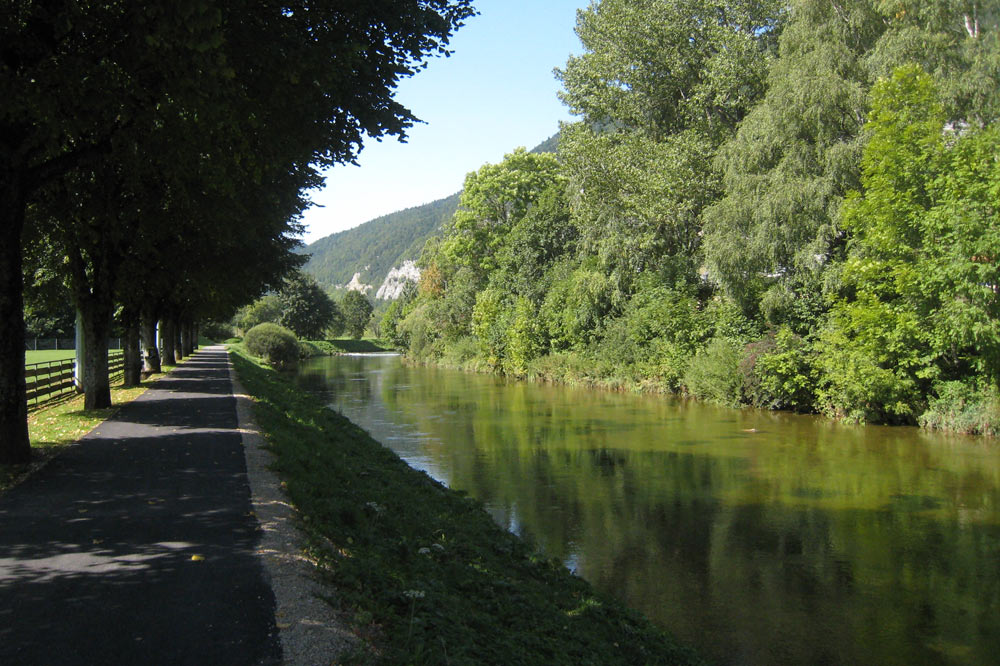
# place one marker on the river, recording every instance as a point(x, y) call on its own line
point(756, 537)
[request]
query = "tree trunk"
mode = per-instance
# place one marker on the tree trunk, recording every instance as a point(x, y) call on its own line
point(151, 353)
point(131, 346)
point(96, 312)
point(178, 343)
point(14, 444)
point(167, 337)
point(186, 343)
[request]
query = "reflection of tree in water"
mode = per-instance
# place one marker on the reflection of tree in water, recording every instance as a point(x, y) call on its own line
point(760, 537)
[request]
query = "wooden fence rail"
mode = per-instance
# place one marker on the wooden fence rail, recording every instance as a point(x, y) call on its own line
point(52, 379)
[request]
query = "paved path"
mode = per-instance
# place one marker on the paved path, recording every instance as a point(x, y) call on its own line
point(136, 546)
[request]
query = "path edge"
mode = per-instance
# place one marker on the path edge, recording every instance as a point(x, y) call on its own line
point(310, 630)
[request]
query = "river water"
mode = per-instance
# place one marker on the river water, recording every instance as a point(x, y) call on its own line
point(756, 537)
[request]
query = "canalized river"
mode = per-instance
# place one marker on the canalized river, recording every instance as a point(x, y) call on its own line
point(756, 537)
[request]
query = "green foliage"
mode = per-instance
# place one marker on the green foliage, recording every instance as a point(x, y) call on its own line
point(495, 198)
point(779, 372)
point(716, 57)
point(357, 310)
point(490, 320)
point(216, 330)
point(274, 344)
point(797, 154)
point(868, 358)
point(714, 373)
point(964, 407)
point(307, 310)
point(534, 243)
point(420, 329)
point(922, 264)
point(525, 339)
point(660, 84)
point(265, 309)
point(393, 316)
point(577, 302)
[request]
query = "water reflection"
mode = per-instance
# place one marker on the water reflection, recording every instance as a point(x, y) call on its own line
point(761, 538)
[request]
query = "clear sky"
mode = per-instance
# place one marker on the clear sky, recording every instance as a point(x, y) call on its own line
point(495, 93)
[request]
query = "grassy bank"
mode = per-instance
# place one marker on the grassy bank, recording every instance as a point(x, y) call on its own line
point(423, 571)
point(344, 346)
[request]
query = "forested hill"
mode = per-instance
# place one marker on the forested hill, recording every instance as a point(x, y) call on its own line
point(376, 247)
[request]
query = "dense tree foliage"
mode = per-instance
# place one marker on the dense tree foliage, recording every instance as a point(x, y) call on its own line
point(789, 205)
point(306, 310)
point(357, 311)
point(164, 149)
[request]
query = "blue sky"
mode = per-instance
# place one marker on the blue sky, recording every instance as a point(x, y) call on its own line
point(495, 93)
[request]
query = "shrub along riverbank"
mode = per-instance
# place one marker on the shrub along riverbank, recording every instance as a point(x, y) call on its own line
point(424, 572)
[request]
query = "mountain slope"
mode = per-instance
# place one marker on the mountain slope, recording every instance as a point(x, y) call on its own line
point(377, 246)
point(371, 250)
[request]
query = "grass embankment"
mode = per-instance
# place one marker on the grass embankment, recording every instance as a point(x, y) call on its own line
point(423, 571)
point(55, 424)
point(344, 346)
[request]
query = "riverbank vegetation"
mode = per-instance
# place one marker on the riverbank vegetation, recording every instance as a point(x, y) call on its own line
point(423, 572)
point(784, 205)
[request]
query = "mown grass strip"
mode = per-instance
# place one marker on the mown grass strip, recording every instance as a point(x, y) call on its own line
point(423, 571)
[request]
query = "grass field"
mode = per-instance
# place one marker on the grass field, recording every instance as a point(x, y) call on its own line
point(43, 355)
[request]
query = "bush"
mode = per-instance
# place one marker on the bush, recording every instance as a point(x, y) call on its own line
point(965, 408)
point(778, 372)
point(524, 337)
point(490, 320)
point(869, 363)
point(460, 351)
point(714, 373)
point(421, 330)
point(273, 343)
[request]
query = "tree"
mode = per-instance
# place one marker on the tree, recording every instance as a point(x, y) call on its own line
point(533, 244)
point(494, 199)
point(267, 308)
point(72, 77)
point(357, 311)
point(306, 309)
point(661, 83)
point(922, 274)
point(91, 79)
point(772, 237)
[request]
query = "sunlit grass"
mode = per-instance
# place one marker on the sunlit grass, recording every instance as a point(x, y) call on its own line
point(58, 423)
point(46, 355)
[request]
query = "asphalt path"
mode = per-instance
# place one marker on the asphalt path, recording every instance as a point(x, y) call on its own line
point(136, 545)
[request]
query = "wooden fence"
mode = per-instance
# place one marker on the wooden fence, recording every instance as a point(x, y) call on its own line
point(52, 379)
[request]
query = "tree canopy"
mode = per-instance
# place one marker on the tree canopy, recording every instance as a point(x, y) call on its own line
point(166, 148)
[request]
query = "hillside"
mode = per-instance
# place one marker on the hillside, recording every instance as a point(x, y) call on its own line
point(377, 246)
point(373, 249)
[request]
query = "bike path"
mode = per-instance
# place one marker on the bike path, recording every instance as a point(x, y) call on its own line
point(136, 545)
